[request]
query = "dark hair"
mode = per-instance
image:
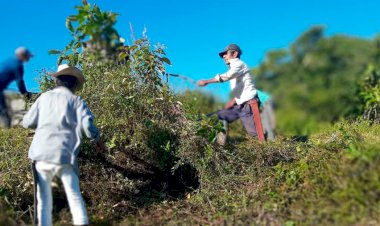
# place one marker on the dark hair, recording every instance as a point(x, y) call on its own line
point(233, 51)
point(67, 81)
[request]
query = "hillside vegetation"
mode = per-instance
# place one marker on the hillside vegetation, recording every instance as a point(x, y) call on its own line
point(162, 165)
point(319, 80)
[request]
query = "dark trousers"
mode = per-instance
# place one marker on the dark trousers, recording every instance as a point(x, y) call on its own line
point(242, 111)
point(5, 120)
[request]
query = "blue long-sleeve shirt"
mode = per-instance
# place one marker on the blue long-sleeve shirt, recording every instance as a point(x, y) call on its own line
point(12, 70)
point(61, 119)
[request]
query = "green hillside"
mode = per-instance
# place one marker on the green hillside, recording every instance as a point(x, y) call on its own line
point(162, 165)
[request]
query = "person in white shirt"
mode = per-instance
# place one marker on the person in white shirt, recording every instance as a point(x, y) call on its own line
point(60, 119)
point(243, 90)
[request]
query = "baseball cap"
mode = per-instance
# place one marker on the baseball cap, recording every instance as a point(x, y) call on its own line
point(233, 47)
point(23, 51)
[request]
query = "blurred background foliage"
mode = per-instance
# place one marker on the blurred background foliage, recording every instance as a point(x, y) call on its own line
point(317, 80)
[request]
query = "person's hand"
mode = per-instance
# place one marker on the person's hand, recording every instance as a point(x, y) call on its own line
point(28, 95)
point(230, 104)
point(201, 83)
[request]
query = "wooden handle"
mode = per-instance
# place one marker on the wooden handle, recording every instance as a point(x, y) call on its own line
point(257, 119)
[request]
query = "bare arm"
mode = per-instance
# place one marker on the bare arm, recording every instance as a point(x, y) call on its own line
point(207, 81)
point(230, 103)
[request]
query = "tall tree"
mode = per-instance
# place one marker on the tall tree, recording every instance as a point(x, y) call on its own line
point(314, 80)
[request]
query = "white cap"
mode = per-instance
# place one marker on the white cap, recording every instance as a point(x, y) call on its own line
point(23, 51)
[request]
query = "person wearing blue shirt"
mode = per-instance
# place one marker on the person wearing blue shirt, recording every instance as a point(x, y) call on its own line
point(267, 115)
point(12, 70)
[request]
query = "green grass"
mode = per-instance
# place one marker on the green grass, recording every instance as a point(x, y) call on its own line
point(331, 178)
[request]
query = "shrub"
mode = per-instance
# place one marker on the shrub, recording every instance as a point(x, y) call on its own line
point(16, 187)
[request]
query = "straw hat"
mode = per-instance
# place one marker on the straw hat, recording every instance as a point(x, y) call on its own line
point(65, 69)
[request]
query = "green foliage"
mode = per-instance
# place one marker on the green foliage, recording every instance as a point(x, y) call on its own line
point(197, 103)
point(202, 108)
point(142, 123)
point(369, 93)
point(368, 87)
point(331, 178)
point(6, 215)
point(16, 190)
point(317, 182)
point(162, 168)
point(209, 129)
point(306, 43)
point(92, 31)
point(314, 83)
point(45, 81)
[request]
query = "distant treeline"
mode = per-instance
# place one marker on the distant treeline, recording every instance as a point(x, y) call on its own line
point(318, 80)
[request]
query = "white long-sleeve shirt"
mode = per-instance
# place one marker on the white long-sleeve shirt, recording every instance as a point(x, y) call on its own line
point(241, 83)
point(60, 119)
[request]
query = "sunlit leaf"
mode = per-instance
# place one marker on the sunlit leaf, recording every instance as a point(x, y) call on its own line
point(166, 60)
point(54, 51)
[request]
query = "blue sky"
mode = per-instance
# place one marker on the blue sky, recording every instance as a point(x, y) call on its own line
point(193, 31)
